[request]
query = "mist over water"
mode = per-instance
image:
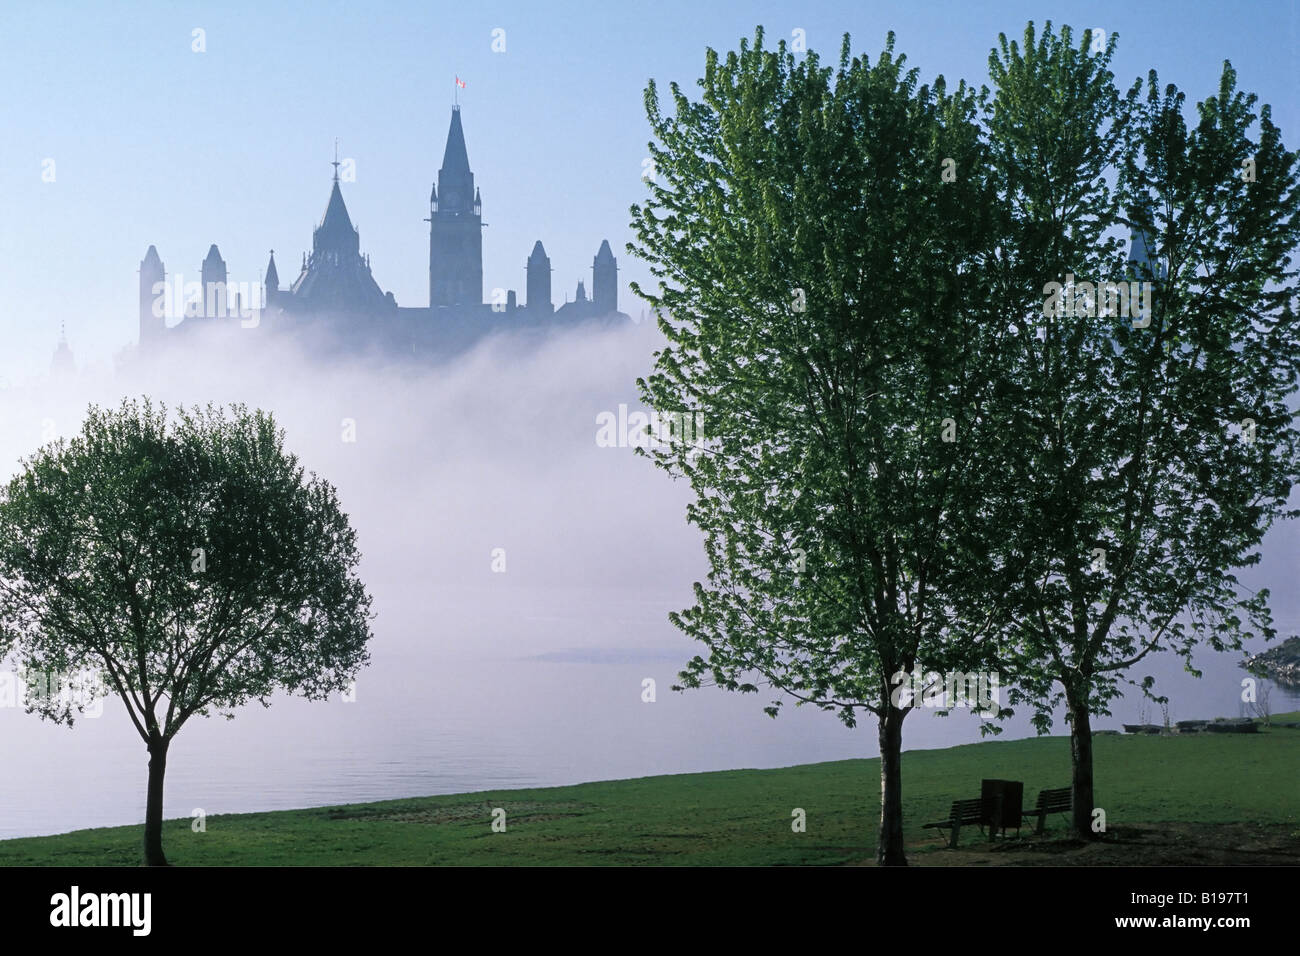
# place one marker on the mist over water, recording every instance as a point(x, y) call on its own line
point(479, 679)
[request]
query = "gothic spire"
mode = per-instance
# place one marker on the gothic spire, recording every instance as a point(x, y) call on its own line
point(455, 158)
point(455, 179)
point(336, 222)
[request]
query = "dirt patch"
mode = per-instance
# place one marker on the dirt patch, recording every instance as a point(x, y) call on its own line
point(1154, 844)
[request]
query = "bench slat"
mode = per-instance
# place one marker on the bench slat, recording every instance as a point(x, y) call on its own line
point(1051, 801)
point(963, 813)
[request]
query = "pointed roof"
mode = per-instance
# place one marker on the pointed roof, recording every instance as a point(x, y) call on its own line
point(1142, 245)
point(538, 254)
point(604, 254)
point(214, 255)
point(272, 280)
point(337, 277)
point(151, 257)
point(454, 157)
point(1140, 253)
point(336, 217)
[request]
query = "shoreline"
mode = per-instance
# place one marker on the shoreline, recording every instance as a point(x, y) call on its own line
point(727, 817)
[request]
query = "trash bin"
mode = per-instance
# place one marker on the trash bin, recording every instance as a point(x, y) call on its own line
point(1001, 802)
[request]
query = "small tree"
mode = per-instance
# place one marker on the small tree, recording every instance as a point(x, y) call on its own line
point(1262, 707)
point(191, 564)
point(1260, 704)
point(818, 237)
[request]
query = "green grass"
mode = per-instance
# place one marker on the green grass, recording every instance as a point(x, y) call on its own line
point(729, 817)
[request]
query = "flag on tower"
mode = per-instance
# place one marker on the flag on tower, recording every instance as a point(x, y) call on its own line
point(460, 82)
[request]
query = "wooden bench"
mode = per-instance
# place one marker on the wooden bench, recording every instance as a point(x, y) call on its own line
point(963, 813)
point(1050, 801)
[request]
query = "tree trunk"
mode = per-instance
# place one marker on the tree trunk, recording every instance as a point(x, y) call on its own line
point(1081, 770)
point(153, 814)
point(889, 844)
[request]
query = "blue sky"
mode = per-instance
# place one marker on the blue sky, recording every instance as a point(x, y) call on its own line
point(154, 143)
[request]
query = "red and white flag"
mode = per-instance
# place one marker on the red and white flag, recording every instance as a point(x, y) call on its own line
point(460, 82)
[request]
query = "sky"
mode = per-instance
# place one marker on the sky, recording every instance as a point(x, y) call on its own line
point(148, 141)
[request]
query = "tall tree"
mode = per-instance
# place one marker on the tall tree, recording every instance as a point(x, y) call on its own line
point(1153, 448)
point(190, 563)
point(819, 239)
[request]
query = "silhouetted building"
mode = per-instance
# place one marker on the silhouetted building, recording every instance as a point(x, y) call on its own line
point(271, 281)
point(153, 321)
point(213, 279)
point(604, 287)
point(1142, 260)
point(604, 278)
point(539, 280)
point(336, 276)
point(62, 364)
point(336, 289)
point(1144, 266)
point(455, 227)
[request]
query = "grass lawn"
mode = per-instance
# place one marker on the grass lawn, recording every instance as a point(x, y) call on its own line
point(731, 817)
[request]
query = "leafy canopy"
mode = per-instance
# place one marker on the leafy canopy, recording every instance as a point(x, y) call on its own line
point(190, 563)
point(820, 291)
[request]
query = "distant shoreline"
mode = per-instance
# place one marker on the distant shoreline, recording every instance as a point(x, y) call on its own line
point(1280, 664)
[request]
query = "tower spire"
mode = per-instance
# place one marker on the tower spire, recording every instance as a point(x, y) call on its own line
point(335, 164)
point(604, 280)
point(271, 282)
point(455, 227)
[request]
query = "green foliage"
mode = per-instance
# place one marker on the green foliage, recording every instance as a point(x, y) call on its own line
point(1138, 441)
point(190, 564)
point(830, 300)
point(821, 290)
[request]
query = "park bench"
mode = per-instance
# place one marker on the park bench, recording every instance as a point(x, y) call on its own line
point(1050, 801)
point(963, 813)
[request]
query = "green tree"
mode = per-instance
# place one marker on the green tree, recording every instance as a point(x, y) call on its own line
point(1152, 451)
point(190, 564)
point(819, 238)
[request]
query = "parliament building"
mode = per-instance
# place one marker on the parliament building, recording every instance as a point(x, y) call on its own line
point(335, 299)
